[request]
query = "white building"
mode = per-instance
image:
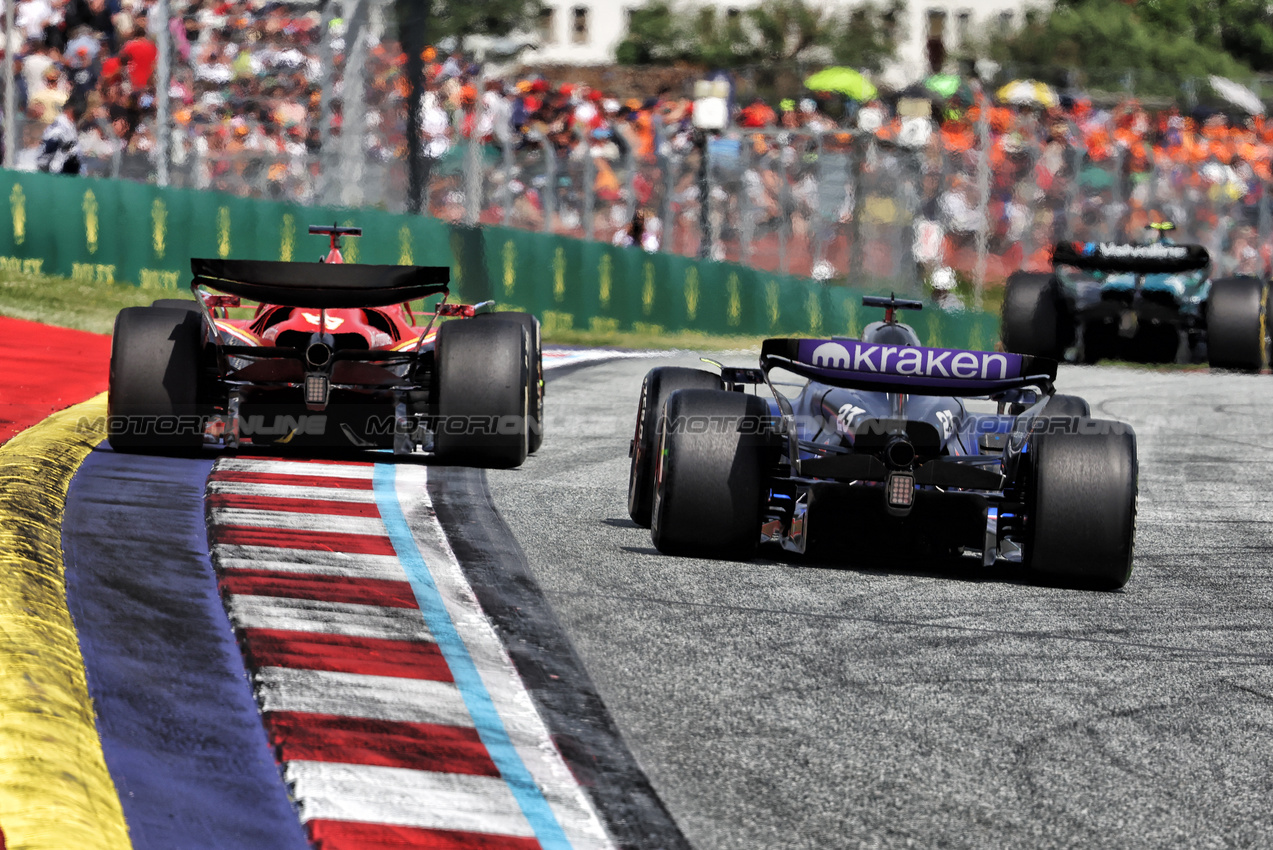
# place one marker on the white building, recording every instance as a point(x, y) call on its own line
point(586, 32)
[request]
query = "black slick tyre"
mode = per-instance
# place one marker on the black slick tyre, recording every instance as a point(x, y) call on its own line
point(482, 391)
point(659, 383)
point(154, 399)
point(176, 304)
point(1080, 495)
point(533, 333)
point(1237, 324)
point(1067, 405)
point(1033, 320)
point(709, 472)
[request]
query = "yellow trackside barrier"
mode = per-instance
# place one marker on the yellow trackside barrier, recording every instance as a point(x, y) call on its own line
point(55, 790)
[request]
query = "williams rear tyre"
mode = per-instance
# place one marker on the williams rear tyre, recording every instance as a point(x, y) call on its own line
point(533, 333)
point(1034, 319)
point(1080, 495)
point(659, 383)
point(1067, 405)
point(482, 374)
point(709, 474)
point(154, 399)
point(1237, 331)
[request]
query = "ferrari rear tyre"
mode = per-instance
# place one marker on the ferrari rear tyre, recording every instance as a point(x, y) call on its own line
point(1080, 495)
point(176, 304)
point(154, 402)
point(536, 388)
point(659, 383)
point(709, 473)
point(1034, 320)
point(1237, 324)
point(482, 374)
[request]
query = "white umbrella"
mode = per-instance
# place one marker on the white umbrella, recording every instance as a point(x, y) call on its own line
point(1237, 94)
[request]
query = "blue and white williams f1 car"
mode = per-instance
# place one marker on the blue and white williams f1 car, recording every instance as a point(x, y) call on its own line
point(878, 451)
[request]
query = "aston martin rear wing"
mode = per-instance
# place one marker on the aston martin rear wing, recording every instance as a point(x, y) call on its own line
point(320, 285)
point(907, 369)
point(1156, 258)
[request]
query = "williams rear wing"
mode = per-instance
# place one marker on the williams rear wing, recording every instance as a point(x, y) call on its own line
point(1156, 258)
point(906, 369)
point(319, 285)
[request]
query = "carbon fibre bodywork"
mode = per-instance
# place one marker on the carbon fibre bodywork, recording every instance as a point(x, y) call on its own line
point(873, 417)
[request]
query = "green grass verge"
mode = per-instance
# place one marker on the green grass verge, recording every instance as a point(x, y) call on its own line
point(69, 303)
point(93, 306)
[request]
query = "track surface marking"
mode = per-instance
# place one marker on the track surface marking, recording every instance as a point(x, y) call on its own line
point(783, 704)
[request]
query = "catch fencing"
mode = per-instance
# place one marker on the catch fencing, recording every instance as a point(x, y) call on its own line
point(106, 231)
point(832, 206)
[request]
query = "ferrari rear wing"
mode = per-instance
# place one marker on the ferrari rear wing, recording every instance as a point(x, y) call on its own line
point(1156, 258)
point(319, 285)
point(906, 369)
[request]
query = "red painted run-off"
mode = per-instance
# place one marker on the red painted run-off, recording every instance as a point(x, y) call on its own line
point(44, 369)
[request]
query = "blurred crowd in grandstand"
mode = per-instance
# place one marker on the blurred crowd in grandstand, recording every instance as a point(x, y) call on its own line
point(808, 184)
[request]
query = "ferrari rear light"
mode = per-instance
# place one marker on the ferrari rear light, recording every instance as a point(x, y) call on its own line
point(316, 389)
point(901, 490)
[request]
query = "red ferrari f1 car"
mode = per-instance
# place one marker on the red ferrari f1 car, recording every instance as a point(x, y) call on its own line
point(332, 355)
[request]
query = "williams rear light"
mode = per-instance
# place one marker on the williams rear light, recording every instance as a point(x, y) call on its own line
point(901, 490)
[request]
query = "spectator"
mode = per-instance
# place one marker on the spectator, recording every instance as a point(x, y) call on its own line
point(138, 55)
point(60, 144)
point(46, 102)
point(97, 17)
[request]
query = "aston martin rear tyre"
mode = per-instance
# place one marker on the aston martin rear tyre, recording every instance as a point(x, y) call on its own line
point(709, 472)
point(154, 402)
point(1034, 319)
point(1080, 494)
point(659, 383)
point(531, 323)
point(483, 397)
point(1237, 324)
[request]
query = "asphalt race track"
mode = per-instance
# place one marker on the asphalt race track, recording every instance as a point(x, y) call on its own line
point(784, 704)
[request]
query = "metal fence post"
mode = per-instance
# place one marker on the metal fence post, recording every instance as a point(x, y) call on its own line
point(10, 91)
point(1115, 225)
point(704, 198)
point(1072, 206)
point(588, 190)
point(1264, 222)
point(747, 227)
point(548, 197)
point(820, 229)
point(472, 174)
point(509, 164)
point(857, 161)
point(354, 103)
point(983, 196)
point(163, 81)
point(327, 162)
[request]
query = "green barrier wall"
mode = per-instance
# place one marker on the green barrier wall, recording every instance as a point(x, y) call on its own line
point(117, 231)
